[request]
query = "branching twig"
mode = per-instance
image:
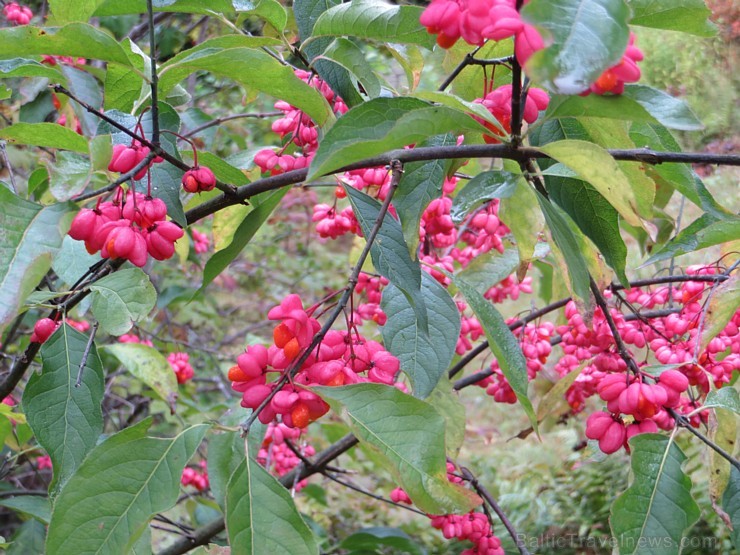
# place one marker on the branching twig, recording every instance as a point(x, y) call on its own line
point(86, 353)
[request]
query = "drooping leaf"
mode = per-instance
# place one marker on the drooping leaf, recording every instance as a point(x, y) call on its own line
point(272, 12)
point(349, 56)
point(587, 37)
point(122, 299)
point(125, 86)
point(85, 87)
point(31, 235)
point(306, 13)
point(254, 69)
point(225, 453)
point(383, 124)
point(49, 135)
point(410, 59)
point(107, 505)
point(424, 356)
point(69, 175)
point(390, 254)
point(483, 187)
point(261, 517)
point(731, 504)
point(723, 304)
point(407, 435)
point(654, 514)
point(75, 40)
point(706, 231)
point(594, 165)
point(686, 16)
point(149, 366)
point(262, 207)
point(374, 19)
point(420, 184)
point(643, 104)
point(725, 398)
point(503, 344)
point(555, 396)
point(568, 245)
point(66, 420)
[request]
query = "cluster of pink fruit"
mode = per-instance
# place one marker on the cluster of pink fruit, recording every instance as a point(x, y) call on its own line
point(180, 363)
point(196, 477)
point(473, 526)
point(476, 21)
point(339, 359)
point(17, 14)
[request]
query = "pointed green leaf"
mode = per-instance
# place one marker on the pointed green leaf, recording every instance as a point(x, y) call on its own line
point(225, 453)
point(390, 254)
point(587, 37)
point(374, 19)
point(723, 433)
point(122, 299)
point(75, 39)
point(66, 420)
point(372, 540)
point(483, 187)
point(503, 344)
point(348, 55)
point(594, 165)
point(424, 357)
point(383, 124)
point(254, 69)
point(30, 236)
point(272, 12)
point(672, 112)
point(568, 245)
point(262, 207)
point(49, 135)
point(420, 184)
point(106, 506)
point(149, 366)
point(407, 434)
point(261, 517)
point(33, 505)
point(706, 231)
point(686, 16)
point(654, 514)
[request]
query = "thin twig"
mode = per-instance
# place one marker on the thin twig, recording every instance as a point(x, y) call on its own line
point(485, 494)
point(86, 353)
point(358, 489)
point(683, 422)
point(155, 77)
point(219, 121)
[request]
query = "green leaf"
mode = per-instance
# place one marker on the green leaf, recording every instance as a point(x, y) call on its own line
point(723, 304)
point(166, 185)
point(383, 124)
point(255, 70)
point(678, 176)
point(222, 169)
point(348, 55)
point(64, 11)
point(272, 12)
point(482, 188)
point(390, 254)
point(723, 432)
point(724, 398)
point(373, 539)
point(69, 175)
point(31, 236)
point(686, 16)
point(655, 512)
point(376, 20)
point(32, 505)
point(706, 231)
point(594, 165)
point(122, 299)
point(488, 269)
point(123, 7)
point(731, 504)
point(125, 86)
point(85, 87)
point(407, 436)
point(225, 453)
point(503, 344)
point(452, 101)
point(555, 396)
point(262, 207)
point(568, 245)
point(75, 39)
point(65, 419)
point(306, 12)
point(261, 517)
point(23, 67)
point(524, 218)
point(149, 366)
point(587, 38)
point(424, 356)
point(410, 58)
point(49, 135)
point(29, 538)
point(446, 400)
point(637, 103)
point(106, 506)
point(420, 184)
point(72, 261)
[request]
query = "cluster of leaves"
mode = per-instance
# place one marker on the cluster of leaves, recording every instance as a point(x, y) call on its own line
point(111, 478)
